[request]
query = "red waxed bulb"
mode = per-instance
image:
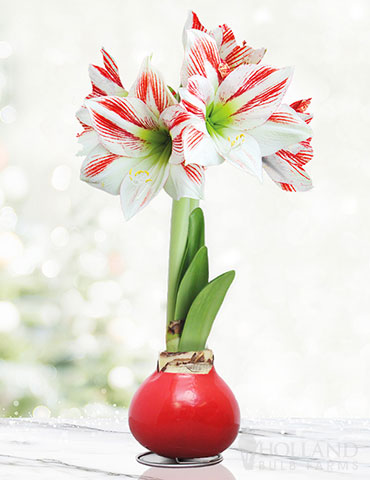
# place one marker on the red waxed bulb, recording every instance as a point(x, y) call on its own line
point(184, 415)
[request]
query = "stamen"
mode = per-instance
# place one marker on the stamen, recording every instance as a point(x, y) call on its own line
point(140, 176)
point(237, 141)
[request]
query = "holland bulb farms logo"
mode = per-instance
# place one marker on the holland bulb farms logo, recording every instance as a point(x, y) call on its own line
point(290, 452)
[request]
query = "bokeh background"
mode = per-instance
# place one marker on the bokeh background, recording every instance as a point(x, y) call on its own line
point(82, 292)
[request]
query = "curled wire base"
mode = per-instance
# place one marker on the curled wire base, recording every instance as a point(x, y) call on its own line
point(153, 460)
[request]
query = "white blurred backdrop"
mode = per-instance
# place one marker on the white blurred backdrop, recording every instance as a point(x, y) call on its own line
point(82, 308)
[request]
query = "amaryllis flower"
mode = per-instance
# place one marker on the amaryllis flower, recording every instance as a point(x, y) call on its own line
point(135, 157)
point(232, 54)
point(240, 116)
point(285, 166)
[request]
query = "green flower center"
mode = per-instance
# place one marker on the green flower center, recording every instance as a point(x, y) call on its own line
point(217, 118)
point(161, 145)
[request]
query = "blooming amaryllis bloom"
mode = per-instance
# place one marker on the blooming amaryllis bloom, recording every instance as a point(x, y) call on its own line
point(239, 117)
point(232, 54)
point(135, 156)
point(285, 167)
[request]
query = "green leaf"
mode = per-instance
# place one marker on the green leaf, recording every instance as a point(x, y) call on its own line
point(194, 280)
point(195, 239)
point(203, 312)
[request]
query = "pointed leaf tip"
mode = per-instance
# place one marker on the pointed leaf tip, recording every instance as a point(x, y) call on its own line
point(203, 311)
point(195, 239)
point(193, 282)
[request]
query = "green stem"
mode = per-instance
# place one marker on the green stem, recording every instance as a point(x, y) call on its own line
point(181, 210)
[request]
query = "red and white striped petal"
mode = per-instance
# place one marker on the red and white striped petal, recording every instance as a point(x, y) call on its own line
point(111, 67)
point(232, 53)
point(104, 170)
point(151, 89)
point(306, 117)
point(199, 148)
point(255, 55)
point(142, 183)
point(244, 54)
point(177, 154)
point(251, 94)
point(197, 95)
point(176, 118)
point(300, 107)
point(240, 149)
point(225, 40)
point(286, 166)
point(283, 129)
point(192, 22)
point(105, 80)
point(286, 169)
point(201, 58)
point(124, 125)
point(185, 181)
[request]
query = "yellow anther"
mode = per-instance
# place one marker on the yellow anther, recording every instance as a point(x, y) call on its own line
point(140, 176)
point(238, 140)
point(141, 171)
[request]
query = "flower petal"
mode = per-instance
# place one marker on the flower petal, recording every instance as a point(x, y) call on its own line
point(89, 139)
point(106, 81)
point(185, 181)
point(83, 116)
point(177, 154)
point(104, 170)
point(250, 94)
point(197, 95)
point(176, 118)
point(199, 148)
point(125, 125)
point(300, 107)
point(142, 184)
point(201, 58)
point(255, 56)
point(286, 168)
point(151, 89)
point(240, 149)
point(192, 22)
point(233, 54)
point(282, 129)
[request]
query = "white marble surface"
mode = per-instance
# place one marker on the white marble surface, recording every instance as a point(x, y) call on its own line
point(104, 448)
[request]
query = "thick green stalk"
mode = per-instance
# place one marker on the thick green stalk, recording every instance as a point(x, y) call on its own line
point(179, 228)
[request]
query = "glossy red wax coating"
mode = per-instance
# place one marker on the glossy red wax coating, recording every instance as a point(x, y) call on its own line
point(184, 415)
